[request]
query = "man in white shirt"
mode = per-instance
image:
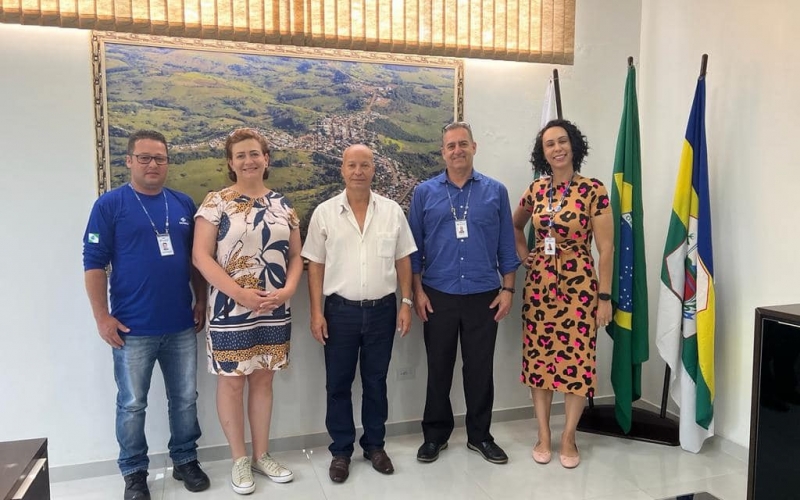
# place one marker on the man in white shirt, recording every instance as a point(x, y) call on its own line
point(358, 247)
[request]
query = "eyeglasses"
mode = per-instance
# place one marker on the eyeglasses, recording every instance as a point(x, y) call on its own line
point(146, 159)
point(454, 125)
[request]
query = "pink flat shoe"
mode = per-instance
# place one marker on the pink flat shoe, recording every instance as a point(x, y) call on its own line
point(541, 457)
point(570, 462)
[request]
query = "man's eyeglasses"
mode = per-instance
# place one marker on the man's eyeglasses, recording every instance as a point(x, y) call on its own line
point(454, 125)
point(146, 159)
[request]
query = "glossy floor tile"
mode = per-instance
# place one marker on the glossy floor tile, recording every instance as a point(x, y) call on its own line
point(610, 469)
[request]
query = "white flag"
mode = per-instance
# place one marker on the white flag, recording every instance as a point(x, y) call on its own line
point(549, 105)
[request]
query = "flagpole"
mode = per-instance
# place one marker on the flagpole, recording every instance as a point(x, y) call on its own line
point(557, 87)
point(665, 393)
point(703, 64)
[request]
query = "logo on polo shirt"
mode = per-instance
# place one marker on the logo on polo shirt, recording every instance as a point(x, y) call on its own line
point(94, 238)
point(184, 221)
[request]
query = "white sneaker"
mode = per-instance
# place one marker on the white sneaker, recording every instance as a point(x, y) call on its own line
point(242, 476)
point(271, 468)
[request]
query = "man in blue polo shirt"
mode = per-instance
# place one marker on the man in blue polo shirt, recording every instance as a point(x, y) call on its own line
point(144, 232)
point(463, 280)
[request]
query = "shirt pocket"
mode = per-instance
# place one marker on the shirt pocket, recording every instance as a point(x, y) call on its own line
point(387, 242)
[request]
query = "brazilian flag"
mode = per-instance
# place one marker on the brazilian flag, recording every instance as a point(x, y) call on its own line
point(629, 327)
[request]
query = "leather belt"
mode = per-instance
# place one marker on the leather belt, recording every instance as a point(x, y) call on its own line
point(364, 303)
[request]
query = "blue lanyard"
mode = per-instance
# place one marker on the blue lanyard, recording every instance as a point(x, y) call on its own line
point(453, 208)
point(166, 209)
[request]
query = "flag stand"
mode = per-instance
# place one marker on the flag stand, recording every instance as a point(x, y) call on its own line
point(645, 425)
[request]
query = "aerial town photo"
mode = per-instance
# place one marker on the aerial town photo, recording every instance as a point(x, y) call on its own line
point(310, 110)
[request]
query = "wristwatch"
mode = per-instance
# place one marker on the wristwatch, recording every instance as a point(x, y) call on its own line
point(407, 301)
point(507, 289)
point(604, 296)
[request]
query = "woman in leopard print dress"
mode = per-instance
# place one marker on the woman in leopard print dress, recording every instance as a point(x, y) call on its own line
point(565, 300)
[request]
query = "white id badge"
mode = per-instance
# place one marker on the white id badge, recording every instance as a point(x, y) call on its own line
point(461, 229)
point(165, 245)
point(549, 245)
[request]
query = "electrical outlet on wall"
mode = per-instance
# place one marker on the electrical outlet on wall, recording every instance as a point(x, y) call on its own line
point(406, 373)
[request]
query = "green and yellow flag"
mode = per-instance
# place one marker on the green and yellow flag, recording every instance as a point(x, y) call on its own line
point(629, 328)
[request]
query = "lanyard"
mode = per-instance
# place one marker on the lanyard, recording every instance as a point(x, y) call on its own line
point(550, 208)
point(452, 208)
point(166, 209)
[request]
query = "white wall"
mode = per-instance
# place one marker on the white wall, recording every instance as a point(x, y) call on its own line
point(58, 380)
point(752, 107)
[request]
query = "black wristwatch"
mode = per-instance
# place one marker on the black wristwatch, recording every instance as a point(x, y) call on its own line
point(604, 296)
point(507, 289)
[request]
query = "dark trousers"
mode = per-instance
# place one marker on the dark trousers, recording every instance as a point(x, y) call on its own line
point(454, 317)
point(366, 335)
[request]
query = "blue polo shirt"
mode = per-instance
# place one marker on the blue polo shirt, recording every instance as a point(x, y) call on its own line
point(150, 294)
point(468, 265)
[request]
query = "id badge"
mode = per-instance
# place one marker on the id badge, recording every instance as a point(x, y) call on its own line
point(165, 245)
point(549, 245)
point(461, 229)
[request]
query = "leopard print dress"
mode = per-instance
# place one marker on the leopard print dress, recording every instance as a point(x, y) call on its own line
point(560, 301)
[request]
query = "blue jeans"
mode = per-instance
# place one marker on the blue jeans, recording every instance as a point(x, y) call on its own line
point(366, 335)
point(176, 354)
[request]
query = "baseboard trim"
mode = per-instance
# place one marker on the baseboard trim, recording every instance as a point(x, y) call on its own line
point(319, 439)
point(301, 442)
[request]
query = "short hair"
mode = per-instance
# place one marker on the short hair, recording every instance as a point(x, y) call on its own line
point(455, 125)
point(243, 134)
point(145, 134)
point(580, 147)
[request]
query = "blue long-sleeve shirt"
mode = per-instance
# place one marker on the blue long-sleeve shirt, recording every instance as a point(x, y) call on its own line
point(469, 265)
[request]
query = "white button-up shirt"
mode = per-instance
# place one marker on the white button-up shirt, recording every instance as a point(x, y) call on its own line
point(358, 265)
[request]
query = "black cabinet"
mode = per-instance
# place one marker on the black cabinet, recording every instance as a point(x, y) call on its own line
point(774, 465)
point(24, 471)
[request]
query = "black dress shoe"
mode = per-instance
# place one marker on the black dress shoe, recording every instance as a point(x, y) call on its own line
point(136, 486)
point(489, 451)
point(339, 470)
point(429, 451)
point(380, 461)
point(193, 477)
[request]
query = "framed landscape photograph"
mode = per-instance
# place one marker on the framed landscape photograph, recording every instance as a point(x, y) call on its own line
point(310, 103)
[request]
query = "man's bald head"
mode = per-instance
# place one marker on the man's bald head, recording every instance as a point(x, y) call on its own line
point(358, 167)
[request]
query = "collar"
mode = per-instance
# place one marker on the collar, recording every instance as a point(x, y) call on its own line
point(344, 205)
point(442, 178)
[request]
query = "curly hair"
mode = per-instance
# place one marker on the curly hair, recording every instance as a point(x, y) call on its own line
point(580, 147)
point(243, 134)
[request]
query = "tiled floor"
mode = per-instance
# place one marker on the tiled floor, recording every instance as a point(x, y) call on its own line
point(611, 468)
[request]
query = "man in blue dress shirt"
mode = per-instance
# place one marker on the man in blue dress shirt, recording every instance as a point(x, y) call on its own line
point(463, 279)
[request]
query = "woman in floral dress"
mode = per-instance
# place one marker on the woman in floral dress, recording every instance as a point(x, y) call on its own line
point(247, 246)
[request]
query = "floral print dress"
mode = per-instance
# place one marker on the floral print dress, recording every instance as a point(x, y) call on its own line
point(253, 248)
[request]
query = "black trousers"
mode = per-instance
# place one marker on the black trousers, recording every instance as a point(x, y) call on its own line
point(468, 318)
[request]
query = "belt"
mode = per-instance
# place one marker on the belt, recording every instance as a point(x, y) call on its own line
point(364, 303)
